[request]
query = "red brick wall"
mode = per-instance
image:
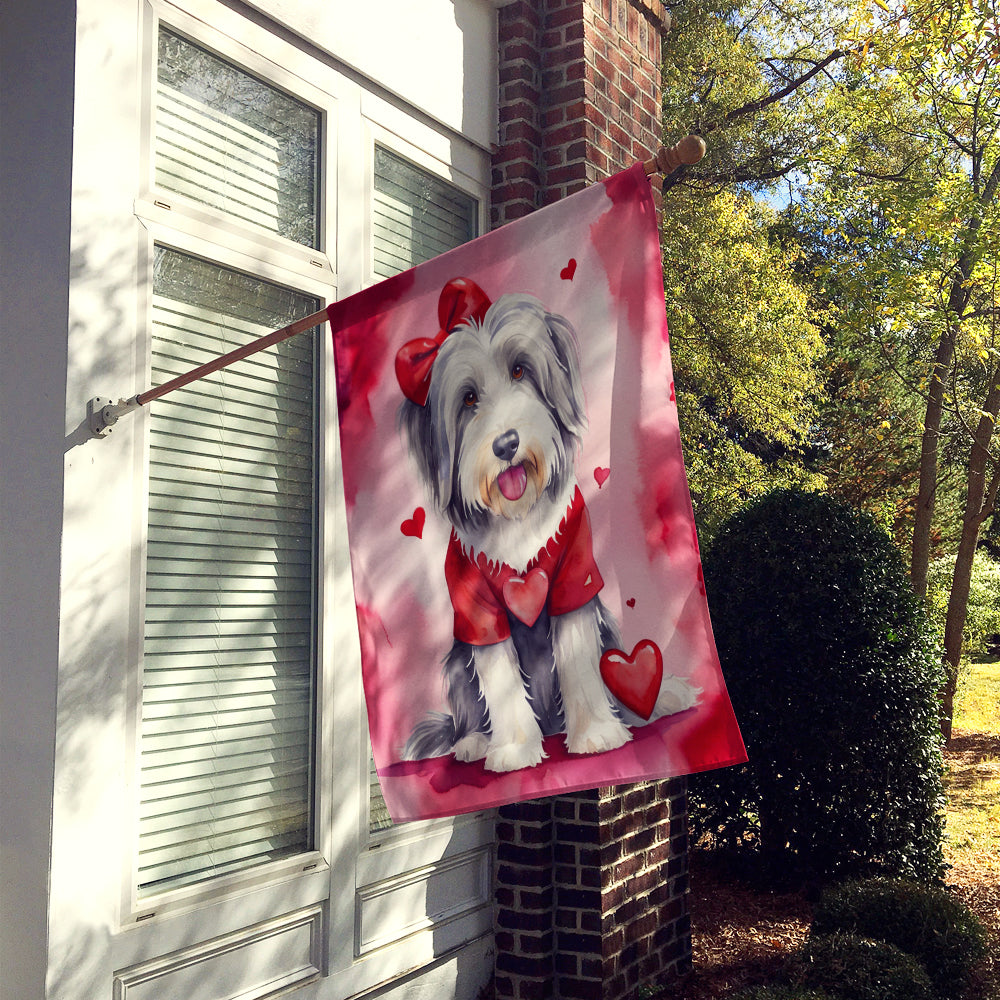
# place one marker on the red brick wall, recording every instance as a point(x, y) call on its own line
point(579, 96)
point(524, 902)
point(591, 893)
point(591, 888)
point(621, 859)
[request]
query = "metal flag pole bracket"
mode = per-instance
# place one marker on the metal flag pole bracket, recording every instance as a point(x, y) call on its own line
point(103, 413)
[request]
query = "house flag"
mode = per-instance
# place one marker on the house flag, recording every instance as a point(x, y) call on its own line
point(529, 594)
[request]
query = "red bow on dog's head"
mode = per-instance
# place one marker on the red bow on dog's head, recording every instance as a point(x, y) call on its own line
point(461, 300)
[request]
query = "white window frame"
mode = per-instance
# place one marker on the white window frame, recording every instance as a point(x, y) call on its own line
point(180, 224)
point(386, 859)
point(195, 244)
point(349, 871)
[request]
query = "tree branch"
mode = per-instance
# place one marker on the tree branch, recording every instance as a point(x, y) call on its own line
point(753, 107)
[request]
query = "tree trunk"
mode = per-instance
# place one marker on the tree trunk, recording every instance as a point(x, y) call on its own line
point(980, 498)
point(920, 553)
point(958, 299)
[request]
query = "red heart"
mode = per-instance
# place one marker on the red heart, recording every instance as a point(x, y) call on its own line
point(569, 270)
point(634, 680)
point(631, 602)
point(414, 526)
point(601, 475)
point(526, 595)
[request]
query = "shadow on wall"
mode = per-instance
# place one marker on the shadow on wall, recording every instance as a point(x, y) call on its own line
point(95, 703)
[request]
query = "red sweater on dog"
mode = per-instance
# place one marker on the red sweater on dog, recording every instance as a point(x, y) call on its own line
point(563, 576)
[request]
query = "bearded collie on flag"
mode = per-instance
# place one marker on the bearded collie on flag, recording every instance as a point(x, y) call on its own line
point(526, 574)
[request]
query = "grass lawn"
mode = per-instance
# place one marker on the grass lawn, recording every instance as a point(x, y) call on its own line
point(973, 811)
point(973, 782)
point(978, 699)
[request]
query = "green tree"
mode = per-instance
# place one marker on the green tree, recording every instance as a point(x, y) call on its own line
point(879, 122)
point(747, 357)
point(867, 433)
point(747, 76)
point(912, 189)
point(982, 620)
point(747, 352)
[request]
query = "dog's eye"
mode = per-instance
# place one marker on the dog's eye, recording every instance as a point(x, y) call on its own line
point(470, 399)
point(517, 373)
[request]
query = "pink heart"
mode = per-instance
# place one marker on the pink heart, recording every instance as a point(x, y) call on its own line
point(569, 270)
point(634, 680)
point(601, 475)
point(414, 526)
point(526, 595)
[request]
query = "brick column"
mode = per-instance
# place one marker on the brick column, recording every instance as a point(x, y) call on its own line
point(517, 159)
point(524, 902)
point(579, 96)
point(591, 888)
point(621, 883)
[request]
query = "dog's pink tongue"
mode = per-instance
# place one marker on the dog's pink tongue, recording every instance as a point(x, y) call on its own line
point(513, 482)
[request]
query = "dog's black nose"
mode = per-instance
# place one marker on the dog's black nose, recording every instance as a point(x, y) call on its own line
point(505, 445)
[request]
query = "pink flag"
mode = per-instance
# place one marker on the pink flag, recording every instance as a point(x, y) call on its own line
point(526, 571)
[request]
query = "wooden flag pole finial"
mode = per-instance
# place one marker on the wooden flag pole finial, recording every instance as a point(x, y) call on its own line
point(668, 158)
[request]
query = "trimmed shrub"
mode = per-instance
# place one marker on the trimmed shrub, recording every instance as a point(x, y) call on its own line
point(856, 968)
point(925, 922)
point(833, 672)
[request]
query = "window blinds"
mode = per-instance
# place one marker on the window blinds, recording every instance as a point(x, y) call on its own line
point(228, 651)
point(227, 681)
point(415, 216)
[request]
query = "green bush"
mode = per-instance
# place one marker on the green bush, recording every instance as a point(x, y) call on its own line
point(856, 968)
point(982, 619)
point(833, 673)
point(925, 922)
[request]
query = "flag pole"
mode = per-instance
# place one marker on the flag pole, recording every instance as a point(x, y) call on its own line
point(103, 413)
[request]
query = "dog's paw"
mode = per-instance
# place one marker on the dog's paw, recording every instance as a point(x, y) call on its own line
point(597, 736)
point(471, 747)
point(514, 756)
point(676, 695)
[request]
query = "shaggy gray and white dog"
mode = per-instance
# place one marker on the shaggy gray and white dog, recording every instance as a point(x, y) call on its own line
point(496, 442)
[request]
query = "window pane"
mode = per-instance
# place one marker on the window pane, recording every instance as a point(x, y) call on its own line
point(228, 655)
point(228, 140)
point(416, 216)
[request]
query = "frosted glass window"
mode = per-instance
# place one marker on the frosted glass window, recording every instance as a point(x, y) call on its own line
point(228, 140)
